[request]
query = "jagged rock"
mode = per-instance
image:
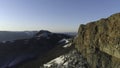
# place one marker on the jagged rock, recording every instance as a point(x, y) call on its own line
point(99, 42)
point(73, 59)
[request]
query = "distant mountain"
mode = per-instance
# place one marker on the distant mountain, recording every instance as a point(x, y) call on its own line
point(19, 51)
point(96, 45)
point(70, 33)
point(13, 35)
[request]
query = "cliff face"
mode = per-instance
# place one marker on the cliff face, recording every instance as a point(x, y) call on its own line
point(99, 42)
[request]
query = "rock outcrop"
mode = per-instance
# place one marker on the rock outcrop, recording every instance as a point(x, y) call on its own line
point(99, 42)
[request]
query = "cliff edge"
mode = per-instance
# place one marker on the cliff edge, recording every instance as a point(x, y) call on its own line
point(99, 42)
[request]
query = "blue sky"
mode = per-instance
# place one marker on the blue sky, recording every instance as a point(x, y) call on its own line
point(53, 15)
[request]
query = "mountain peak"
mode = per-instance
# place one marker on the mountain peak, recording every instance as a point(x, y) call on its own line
point(43, 33)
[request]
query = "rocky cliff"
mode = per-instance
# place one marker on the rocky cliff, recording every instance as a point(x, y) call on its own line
point(99, 42)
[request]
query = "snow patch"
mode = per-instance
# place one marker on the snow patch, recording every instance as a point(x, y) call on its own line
point(59, 60)
point(65, 64)
point(71, 60)
point(67, 45)
point(64, 40)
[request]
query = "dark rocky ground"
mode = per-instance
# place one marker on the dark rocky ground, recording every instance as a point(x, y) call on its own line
point(14, 54)
point(72, 59)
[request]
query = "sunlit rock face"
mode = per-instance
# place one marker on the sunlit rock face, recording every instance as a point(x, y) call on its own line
point(99, 42)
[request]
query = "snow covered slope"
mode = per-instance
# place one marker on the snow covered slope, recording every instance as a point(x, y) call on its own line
point(73, 59)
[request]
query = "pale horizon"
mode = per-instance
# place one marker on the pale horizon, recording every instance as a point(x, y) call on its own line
point(53, 15)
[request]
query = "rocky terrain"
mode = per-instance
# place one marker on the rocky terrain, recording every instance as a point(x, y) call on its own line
point(99, 42)
point(73, 59)
point(97, 45)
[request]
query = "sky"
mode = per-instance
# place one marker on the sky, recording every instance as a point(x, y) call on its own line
point(53, 15)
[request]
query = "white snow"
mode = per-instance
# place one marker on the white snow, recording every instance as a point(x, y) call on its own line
point(67, 45)
point(66, 40)
point(58, 60)
point(65, 64)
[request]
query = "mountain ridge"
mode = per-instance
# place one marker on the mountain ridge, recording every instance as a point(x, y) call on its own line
point(21, 50)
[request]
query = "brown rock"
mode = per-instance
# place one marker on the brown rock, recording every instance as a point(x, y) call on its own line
point(99, 42)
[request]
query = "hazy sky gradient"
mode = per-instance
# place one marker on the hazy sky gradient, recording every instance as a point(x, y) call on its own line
point(53, 15)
